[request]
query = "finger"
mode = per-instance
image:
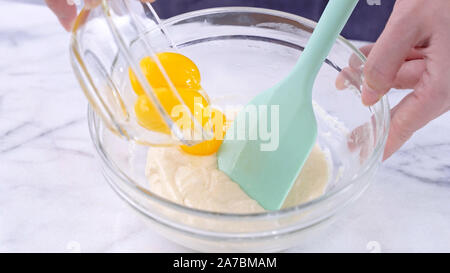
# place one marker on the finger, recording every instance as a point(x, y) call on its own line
point(64, 12)
point(348, 77)
point(407, 77)
point(417, 109)
point(410, 74)
point(351, 75)
point(389, 53)
point(90, 4)
point(356, 62)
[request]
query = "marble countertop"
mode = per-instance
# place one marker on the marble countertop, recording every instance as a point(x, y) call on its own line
point(53, 196)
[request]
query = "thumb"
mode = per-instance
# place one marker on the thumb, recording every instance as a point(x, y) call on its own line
point(66, 13)
point(388, 54)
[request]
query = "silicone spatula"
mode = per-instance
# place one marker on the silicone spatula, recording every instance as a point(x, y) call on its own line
point(267, 174)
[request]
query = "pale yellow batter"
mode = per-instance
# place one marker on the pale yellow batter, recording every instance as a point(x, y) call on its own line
point(196, 181)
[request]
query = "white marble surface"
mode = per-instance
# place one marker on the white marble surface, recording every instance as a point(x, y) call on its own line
point(54, 198)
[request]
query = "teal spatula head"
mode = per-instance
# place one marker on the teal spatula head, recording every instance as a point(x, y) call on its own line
point(267, 174)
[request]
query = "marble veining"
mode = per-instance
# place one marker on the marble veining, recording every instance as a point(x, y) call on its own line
point(54, 198)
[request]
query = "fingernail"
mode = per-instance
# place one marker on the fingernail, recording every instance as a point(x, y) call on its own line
point(369, 95)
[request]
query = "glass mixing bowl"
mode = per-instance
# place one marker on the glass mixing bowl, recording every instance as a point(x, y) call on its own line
point(241, 52)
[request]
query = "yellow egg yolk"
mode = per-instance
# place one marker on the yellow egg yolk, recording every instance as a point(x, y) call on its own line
point(213, 121)
point(149, 117)
point(180, 69)
point(185, 75)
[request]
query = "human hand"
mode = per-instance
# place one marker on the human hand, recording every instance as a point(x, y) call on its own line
point(411, 53)
point(66, 11)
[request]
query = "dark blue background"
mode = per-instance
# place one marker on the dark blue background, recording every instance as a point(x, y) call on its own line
point(366, 23)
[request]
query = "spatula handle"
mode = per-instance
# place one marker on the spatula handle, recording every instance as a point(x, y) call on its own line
point(327, 30)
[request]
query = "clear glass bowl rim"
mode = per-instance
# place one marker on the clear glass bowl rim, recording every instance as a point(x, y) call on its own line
point(368, 165)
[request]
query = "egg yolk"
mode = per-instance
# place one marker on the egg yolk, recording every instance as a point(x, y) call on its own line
point(180, 69)
point(215, 122)
point(185, 75)
point(150, 118)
